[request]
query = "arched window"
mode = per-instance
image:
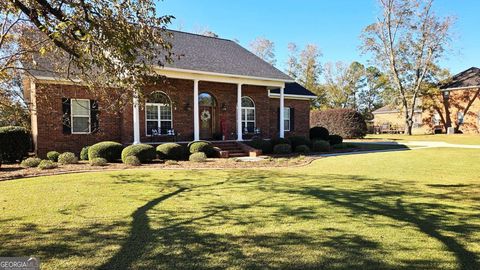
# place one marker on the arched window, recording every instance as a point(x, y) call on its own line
point(248, 115)
point(158, 112)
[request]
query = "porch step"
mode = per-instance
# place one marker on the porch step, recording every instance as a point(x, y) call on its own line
point(233, 149)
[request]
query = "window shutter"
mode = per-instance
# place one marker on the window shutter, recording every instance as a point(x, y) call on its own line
point(292, 119)
point(66, 119)
point(94, 116)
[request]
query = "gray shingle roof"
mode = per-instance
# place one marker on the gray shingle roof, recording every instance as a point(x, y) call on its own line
point(210, 54)
point(464, 79)
point(203, 53)
point(294, 89)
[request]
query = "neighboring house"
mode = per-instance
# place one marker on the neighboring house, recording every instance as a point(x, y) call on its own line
point(388, 119)
point(461, 98)
point(198, 101)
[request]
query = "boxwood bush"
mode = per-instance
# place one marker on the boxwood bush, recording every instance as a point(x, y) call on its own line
point(278, 140)
point(261, 144)
point(47, 165)
point(132, 161)
point(282, 149)
point(202, 146)
point(198, 157)
point(299, 140)
point(321, 146)
point(14, 143)
point(302, 149)
point(84, 153)
point(319, 133)
point(53, 156)
point(31, 162)
point(67, 158)
point(111, 151)
point(335, 139)
point(171, 151)
point(144, 152)
point(98, 162)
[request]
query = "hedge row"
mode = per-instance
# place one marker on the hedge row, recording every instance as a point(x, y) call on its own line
point(347, 123)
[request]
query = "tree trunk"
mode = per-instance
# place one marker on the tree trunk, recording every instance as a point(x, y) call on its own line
point(408, 125)
point(448, 118)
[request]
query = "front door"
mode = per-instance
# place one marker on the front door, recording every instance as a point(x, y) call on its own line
point(206, 119)
point(207, 106)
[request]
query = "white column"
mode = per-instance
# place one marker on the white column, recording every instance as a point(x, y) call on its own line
point(282, 115)
point(239, 112)
point(196, 113)
point(136, 119)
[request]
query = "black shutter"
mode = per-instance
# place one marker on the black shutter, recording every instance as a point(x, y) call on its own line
point(93, 116)
point(292, 119)
point(66, 119)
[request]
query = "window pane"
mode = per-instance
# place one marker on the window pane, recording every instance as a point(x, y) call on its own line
point(152, 127)
point(243, 114)
point(250, 114)
point(247, 102)
point(165, 126)
point(152, 112)
point(286, 113)
point(159, 97)
point(250, 127)
point(80, 124)
point(165, 113)
point(287, 124)
point(80, 107)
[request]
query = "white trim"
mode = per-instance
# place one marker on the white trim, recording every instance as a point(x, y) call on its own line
point(461, 88)
point(136, 119)
point(223, 74)
point(82, 116)
point(290, 96)
point(282, 116)
point(196, 116)
point(239, 113)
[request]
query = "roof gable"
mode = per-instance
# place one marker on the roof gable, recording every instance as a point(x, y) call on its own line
point(469, 78)
point(294, 89)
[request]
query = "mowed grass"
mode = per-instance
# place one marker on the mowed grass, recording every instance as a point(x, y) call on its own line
point(455, 139)
point(417, 209)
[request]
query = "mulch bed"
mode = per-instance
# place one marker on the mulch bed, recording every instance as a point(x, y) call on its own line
point(14, 171)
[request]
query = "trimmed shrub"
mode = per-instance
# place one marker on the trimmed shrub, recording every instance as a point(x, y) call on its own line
point(302, 149)
point(84, 153)
point(144, 152)
point(282, 149)
point(202, 146)
point(30, 162)
point(299, 140)
point(111, 151)
point(47, 165)
point(14, 143)
point(132, 161)
point(98, 162)
point(335, 139)
point(67, 158)
point(171, 151)
point(198, 157)
point(261, 144)
point(278, 140)
point(347, 123)
point(171, 162)
point(53, 156)
point(319, 133)
point(320, 146)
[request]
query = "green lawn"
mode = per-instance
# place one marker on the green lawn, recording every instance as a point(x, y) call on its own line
point(455, 139)
point(417, 209)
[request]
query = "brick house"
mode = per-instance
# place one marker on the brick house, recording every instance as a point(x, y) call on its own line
point(461, 97)
point(217, 90)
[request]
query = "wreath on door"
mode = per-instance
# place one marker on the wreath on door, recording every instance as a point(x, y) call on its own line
point(205, 116)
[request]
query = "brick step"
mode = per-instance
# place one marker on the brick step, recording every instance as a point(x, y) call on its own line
point(233, 149)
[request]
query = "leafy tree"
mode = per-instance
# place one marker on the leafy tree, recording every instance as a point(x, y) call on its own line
point(112, 47)
point(371, 95)
point(264, 49)
point(407, 40)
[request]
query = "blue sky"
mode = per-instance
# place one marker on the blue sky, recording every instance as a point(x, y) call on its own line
point(335, 26)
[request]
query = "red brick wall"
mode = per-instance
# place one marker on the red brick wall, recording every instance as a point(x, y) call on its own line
point(119, 126)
